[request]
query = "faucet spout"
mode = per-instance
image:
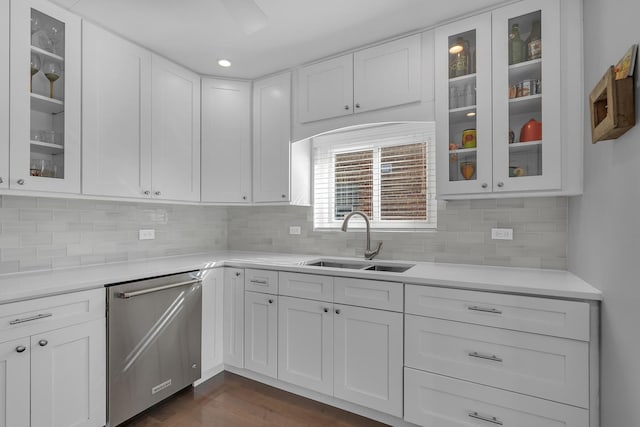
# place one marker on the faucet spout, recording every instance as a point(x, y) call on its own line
point(368, 253)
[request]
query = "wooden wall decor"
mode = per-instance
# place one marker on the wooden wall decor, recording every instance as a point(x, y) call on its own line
point(612, 104)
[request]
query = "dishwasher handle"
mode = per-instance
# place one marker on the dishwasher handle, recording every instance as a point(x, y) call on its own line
point(127, 295)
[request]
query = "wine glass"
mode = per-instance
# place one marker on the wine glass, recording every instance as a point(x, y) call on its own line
point(35, 67)
point(52, 72)
point(36, 25)
point(54, 33)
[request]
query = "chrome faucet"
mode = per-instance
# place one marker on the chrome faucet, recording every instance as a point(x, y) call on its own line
point(368, 253)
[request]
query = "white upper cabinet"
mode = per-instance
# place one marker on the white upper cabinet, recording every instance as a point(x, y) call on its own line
point(325, 89)
point(4, 94)
point(116, 131)
point(45, 105)
point(272, 138)
point(378, 77)
point(506, 125)
point(175, 132)
point(387, 75)
point(226, 141)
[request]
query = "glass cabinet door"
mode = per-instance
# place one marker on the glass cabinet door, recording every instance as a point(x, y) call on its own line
point(526, 97)
point(463, 106)
point(45, 122)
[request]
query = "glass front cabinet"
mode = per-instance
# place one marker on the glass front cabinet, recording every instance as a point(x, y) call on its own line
point(45, 103)
point(499, 102)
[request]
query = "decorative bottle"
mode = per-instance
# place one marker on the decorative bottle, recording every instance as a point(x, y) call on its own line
point(516, 45)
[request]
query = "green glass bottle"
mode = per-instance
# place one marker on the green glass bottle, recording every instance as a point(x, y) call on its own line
point(517, 47)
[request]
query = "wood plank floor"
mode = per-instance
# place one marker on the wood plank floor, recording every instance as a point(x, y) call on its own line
point(229, 400)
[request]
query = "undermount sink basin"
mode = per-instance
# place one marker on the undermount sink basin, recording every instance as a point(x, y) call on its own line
point(360, 265)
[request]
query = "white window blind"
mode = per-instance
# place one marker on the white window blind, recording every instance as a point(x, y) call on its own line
point(386, 171)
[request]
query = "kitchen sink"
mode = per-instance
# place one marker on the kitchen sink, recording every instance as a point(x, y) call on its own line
point(360, 265)
point(339, 264)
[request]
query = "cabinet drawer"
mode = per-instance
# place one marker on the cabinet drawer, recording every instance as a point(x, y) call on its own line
point(261, 281)
point(310, 286)
point(434, 400)
point(538, 365)
point(30, 317)
point(368, 293)
point(569, 319)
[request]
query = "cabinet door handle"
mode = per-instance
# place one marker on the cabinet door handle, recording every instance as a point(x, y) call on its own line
point(31, 318)
point(326, 310)
point(21, 349)
point(486, 418)
point(42, 343)
point(338, 311)
point(1, 180)
point(284, 196)
point(484, 185)
point(20, 182)
point(237, 274)
point(346, 107)
point(157, 193)
point(244, 197)
point(484, 309)
point(501, 184)
point(491, 357)
point(357, 105)
point(270, 301)
point(147, 192)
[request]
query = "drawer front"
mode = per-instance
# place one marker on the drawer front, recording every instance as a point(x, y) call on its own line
point(34, 316)
point(538, 365)
point(369, 293)
point(434, 400)
point(265, 281)
point(311, 286)
point(568, 319)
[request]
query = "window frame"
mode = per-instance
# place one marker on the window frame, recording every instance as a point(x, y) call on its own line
point(328, 145)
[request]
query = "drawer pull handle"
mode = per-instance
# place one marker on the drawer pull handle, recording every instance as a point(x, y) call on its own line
point(491, 357)
point(484, 309)
point(29, 319)
point(486, 418)
point(259, 282)
point(21, 349)
point(43, 343)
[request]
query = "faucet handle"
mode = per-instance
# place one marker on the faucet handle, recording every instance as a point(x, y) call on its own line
point(371, 254)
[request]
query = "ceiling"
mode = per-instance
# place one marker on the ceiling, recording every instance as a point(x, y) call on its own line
point(287, 33)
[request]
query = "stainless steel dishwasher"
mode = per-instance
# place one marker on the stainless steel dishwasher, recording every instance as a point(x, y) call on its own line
point(153, 340)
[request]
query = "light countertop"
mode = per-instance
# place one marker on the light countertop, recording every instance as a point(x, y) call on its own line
point(535, 282)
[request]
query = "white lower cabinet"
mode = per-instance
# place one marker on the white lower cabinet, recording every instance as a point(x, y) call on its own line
point(305, 343)
point(55, 378)
point(212, 321)
point(261, 333)
point(435, 400)
point(368, 358)
point(14, 383)
point(233, 334)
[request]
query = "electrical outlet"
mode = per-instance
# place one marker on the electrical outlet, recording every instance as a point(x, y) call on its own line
point(147, 234)
point(295, 229)
point(502, 233)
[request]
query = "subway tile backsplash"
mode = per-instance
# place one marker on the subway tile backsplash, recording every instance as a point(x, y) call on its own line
point(51, 233)
point(463, 236)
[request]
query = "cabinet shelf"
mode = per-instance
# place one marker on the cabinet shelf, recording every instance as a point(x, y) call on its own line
point(458, 115)
point(526, 104)
point(46, 148)
point(46, 54)
point(524, 146)
point(525, 70)
point(462, 78)
point(46, 105)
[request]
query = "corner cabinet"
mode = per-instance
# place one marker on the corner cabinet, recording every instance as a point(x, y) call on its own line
point(45, 105)
point(226, 141)
point(505, 123)
point(272, 138)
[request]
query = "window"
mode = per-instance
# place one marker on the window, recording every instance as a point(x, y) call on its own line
point(387, 172)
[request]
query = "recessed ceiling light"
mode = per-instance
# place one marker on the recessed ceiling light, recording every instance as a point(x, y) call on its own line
point(471, 114)
point(224, 63)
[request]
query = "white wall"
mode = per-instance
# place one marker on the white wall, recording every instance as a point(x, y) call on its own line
point(604, 223)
